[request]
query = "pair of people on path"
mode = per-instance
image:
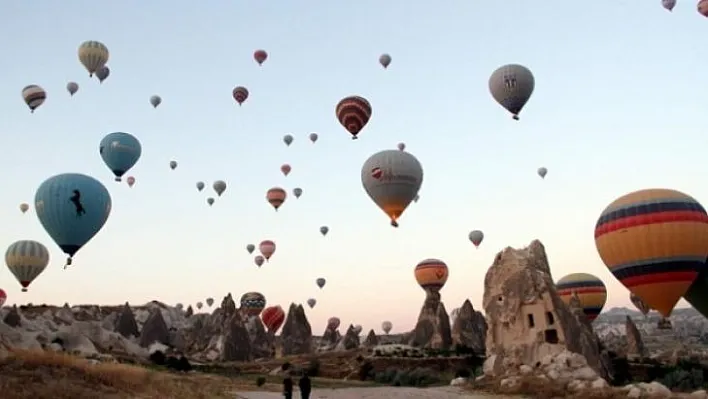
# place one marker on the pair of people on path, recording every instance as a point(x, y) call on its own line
point(304, 384)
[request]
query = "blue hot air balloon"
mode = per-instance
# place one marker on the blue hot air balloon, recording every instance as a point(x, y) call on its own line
point(120, 152)
point(72, 208)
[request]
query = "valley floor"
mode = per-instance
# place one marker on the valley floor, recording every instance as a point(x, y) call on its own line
point(378, 393)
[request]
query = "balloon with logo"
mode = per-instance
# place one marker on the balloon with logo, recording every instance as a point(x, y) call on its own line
point(385, 60)
point(131, 181)
point(311, 302)
point(276, 197)
point(210, 302)
point(333, 323)
point(273, 318)
point(386, 326)
point(103, 73)
point(155, 101)
point(120, 152)
point(639, 304)
point(324, 230)
point(431, 275)
point(297, 192)
point(476, 237)
point(26, 259)
point(392, 179)
point(34, 96)
point(267, 249)
point(590, 290)
point(24, 207)
point(314, 137)
point(655, 242)
point(511, 86)
point(250, 248)
point(93, 55)
point(258, 260)
point(288, 139)
point(285, 169)
point(260, 56)
point(321, 282)
point(200, 185)
point(72, 88)
point(72, 208)
point(3, 297)
point(253, 303)
point(353, 113)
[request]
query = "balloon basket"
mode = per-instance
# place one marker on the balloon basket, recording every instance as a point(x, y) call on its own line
point(118, 179)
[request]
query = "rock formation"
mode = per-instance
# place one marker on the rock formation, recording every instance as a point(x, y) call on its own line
point(329, 338)
point(13, 318)
point(296, 335)
point(350, 340)
point(469, 329)
point(635, 345)
point(126, 324)
point(154, 330)
point(371, 339)
point(433, 327)
point(260, 344)
point(236, 341)
point(526, 317)
point(189, 312)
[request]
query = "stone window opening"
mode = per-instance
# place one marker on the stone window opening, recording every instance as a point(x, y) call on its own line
point(549, 318)
point(532, 323)
point(551, 336)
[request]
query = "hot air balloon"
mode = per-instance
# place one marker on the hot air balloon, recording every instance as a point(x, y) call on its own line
point(200, 305)
point(210, 301)
point(3, 297)
point(103, 73)
point(324, 230)
point(288, 139)
point(311, 302)
point(542, 172)
point(260, 56)
point(240, 94)
point(258, 260)
point(155, 101)
point(357, 329)
point(385, 60)
point(655, 242)
point(93, 55)
point(386, 326)
point(26, 260)
point(273, 317)
point(314, 137)
point(668, 4)
point(431, 275)
point(703, 7)
point(120, 152)
point(179, 306)
point(476, 237)
point(173, 165)
point(24, 207)
point(511, 86)
point(252, 303)
point(333, 323)
point(276, 197)
point(34, 96)
point(320, 282)
point(392, 179)
point(353, 113)
point(72, 208)
point(250, 248)
point(640, 305)
point(219, 187)
point(267, 248)
point(72, 88)
point(417, 197)
point(590, 290)
point(297, 192)
point(401, 146)
point(210, 201)
point(200, 185)
point(131, 181)
point(285, 168)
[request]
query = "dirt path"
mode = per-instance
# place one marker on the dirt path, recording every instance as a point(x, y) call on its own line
point(377, 393)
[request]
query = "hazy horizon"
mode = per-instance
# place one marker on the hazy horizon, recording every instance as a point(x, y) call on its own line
point(616, 108)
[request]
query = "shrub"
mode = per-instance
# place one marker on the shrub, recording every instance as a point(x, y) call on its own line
point(260, 381)
point(405, 353)
point(313, 368)
point(365, 371)
point(386, 376)
point(684, 380)
point(285, 366)
point(462, 373)
point(359, 359)
point(377, 352)
point(158, 358)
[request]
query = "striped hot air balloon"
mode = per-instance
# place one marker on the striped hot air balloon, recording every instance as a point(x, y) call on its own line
point(431, 274)
point(267, 248)
point(26, 260)
point(93, 55)
point(253, 303)
point(240, 94)
point(353, 113)
point(34, 96)
point(590, 290)
point(273, 317)
point(276, 197)
point(655, 242)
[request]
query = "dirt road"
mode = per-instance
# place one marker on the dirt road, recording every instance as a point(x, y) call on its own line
point(377, 393)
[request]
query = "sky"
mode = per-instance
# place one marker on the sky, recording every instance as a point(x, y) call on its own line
point(617, 107)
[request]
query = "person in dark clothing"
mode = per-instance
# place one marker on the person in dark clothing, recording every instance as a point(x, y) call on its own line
point(305, 386)
point(288, 387)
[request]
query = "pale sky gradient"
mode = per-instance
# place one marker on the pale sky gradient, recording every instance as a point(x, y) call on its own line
point(618, 107)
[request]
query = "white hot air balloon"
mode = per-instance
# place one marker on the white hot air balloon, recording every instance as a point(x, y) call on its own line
point(392, 178)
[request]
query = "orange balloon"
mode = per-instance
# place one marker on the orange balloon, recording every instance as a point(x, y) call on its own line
point(431, 274)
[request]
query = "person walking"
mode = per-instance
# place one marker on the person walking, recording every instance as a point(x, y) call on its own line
point(288, 386)
point(305, 386)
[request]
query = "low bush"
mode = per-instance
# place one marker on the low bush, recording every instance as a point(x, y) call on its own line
point(463, 373)
point(365, 371)
point(684, 380)
point(260, 381)
point(417, 377)
point(313, 368)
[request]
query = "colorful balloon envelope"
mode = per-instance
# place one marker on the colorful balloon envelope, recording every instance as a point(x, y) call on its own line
point(120, 152)
point(34, 96)
point(655, 242)
point(26, 260)
point(386, 326)
point(333, 323)
point(276, 197)
point(93, 55)
point(267, 248)
point(353, 113)
point(3, 297)
point(590, 290)
point(639, 304)
point(260, 56)
point(253, 303)
point(273, 318)
point(431, 274)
